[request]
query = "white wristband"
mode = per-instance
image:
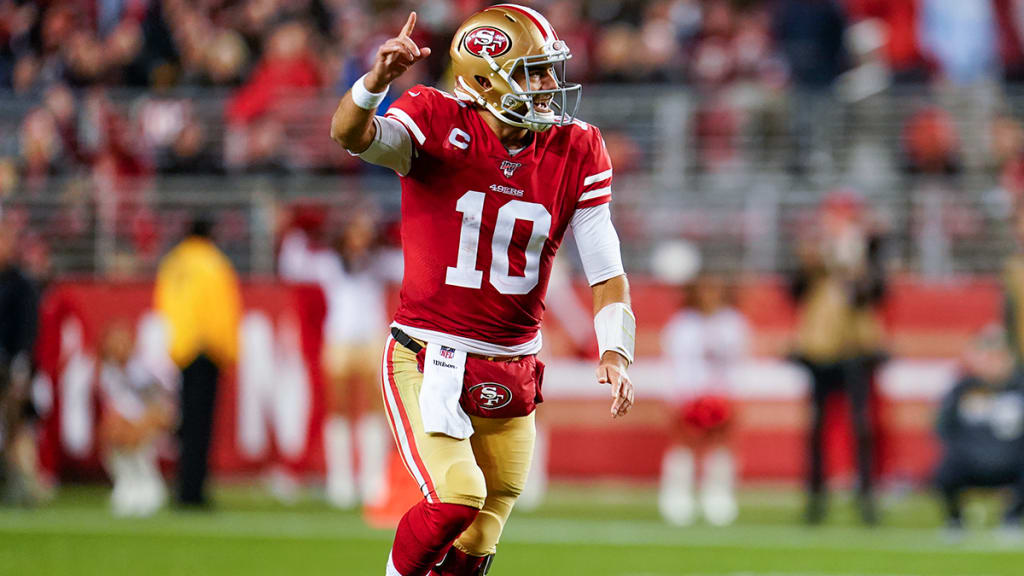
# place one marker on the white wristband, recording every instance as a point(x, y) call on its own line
point(364, 98)
point(616, 330)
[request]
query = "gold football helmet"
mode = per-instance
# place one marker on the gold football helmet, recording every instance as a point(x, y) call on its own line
point(495, 44)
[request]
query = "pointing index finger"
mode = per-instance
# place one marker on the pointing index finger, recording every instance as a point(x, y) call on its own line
point(409, 25)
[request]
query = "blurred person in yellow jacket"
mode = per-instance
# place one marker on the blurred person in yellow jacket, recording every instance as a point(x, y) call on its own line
point(838, 287)
point(197, 295)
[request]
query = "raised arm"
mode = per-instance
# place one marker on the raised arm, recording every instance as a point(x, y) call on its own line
point(352, 125)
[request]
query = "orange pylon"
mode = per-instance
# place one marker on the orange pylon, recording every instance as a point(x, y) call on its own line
point(400, 494)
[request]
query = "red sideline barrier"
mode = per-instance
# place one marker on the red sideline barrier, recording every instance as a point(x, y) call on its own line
point(68, 444)
point(770, 441)
point(279, 420)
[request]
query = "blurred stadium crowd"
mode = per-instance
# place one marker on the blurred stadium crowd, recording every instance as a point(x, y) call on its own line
point(323, 43)
point(104, 101)
point(69, 56)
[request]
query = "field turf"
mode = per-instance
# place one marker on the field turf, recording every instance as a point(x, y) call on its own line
point(594, 531)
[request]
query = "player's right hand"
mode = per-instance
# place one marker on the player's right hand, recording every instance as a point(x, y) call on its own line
point(394, 57)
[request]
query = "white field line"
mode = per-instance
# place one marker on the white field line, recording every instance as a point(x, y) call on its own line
point(768, 574)
point(534, 531)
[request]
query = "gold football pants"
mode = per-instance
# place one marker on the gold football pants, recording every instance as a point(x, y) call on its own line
point(486, 471)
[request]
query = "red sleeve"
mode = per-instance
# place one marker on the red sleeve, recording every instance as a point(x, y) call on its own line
point(413, 110)
point(596, 175)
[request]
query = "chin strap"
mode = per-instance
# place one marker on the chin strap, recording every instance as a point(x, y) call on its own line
point(463, 88)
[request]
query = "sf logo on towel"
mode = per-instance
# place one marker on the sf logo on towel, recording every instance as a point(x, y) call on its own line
point(490, 395)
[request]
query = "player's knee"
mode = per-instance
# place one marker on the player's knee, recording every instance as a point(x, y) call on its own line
point(509, 491)
point(464, 483)
point(447, 521)
point(509, 487)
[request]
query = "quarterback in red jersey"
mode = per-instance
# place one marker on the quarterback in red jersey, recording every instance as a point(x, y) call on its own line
point(492, 178)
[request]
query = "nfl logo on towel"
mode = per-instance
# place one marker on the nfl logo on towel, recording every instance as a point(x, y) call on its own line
point(447, 352)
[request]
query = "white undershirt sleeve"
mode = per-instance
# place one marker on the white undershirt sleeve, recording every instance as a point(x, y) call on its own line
point(391, 146)
point(598, 243)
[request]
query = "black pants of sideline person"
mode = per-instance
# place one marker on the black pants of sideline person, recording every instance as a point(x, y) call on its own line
point(964, 468)
point(198, 398)
point(6, 422)
point(852, 378)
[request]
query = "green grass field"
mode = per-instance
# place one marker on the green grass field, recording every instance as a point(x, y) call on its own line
point(593, 531)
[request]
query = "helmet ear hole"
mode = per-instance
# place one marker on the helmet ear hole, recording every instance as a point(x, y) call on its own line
point(482, 81)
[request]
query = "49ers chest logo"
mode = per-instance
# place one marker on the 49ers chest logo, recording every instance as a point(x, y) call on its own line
point(487, 41)
point(490, 395)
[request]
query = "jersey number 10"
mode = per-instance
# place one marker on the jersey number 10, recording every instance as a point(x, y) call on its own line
point(465, 274)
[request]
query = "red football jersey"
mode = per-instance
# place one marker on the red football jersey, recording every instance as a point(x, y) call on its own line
point(480, 226)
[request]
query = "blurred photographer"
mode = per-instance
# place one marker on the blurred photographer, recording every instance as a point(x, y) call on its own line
point(838, 287)
point(17, 338)
point(981, 427)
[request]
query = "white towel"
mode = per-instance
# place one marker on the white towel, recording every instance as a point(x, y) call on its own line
point(443, 371)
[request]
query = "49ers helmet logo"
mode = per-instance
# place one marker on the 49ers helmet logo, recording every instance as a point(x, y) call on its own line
point(487, 40)
point(490, 395)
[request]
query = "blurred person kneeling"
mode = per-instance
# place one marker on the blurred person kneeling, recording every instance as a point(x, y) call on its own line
point(706, 342)
point(981, 427)
point(137, 415)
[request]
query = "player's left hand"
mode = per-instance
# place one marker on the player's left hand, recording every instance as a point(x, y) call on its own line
point(394, 57)
point(612, 370)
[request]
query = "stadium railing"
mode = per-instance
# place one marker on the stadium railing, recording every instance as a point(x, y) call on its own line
point(739, 172)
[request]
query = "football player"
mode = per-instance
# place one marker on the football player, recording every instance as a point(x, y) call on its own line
point(492, 176)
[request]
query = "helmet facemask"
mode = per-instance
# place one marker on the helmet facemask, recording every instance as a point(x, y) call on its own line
point(518, 105)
